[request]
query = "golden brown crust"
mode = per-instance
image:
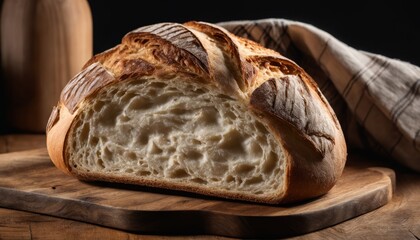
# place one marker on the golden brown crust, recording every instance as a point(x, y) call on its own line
point(315, 144)
point(243, 70)
point(290, 100)
point(176, 34)
point(85, 83)
point(56, 137)
point(280, 92)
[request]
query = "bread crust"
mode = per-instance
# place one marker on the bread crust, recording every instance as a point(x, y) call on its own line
point(275, 88)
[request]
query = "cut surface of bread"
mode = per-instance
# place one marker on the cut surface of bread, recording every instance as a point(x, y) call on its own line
point(194, 108)
point(182, 134)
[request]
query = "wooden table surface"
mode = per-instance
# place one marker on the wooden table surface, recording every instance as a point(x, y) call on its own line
point(399, 219)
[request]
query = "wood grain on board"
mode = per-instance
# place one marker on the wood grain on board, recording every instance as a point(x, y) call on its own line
point(30, 182)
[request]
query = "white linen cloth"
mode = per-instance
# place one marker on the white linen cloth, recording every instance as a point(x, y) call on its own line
point(376, 98)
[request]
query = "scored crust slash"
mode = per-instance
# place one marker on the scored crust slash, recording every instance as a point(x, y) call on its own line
point(192, 107)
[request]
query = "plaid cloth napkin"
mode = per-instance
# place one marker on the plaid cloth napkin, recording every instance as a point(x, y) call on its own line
point(376, 98)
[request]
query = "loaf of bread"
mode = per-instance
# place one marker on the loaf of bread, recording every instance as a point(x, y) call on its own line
point(192, 107)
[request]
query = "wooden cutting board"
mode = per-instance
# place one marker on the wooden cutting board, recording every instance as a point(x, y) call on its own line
point(29, 181)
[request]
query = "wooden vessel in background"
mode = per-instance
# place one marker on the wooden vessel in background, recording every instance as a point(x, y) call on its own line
point(44, 43)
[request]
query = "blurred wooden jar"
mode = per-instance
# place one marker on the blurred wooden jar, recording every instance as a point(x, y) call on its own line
point(44, 43)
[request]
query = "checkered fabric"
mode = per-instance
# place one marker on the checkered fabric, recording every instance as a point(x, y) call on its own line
point(376, 98)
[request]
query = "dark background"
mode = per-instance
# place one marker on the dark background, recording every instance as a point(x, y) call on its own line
point(390, 30)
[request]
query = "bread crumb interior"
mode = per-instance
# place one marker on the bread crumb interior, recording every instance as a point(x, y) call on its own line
point(178, 131)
